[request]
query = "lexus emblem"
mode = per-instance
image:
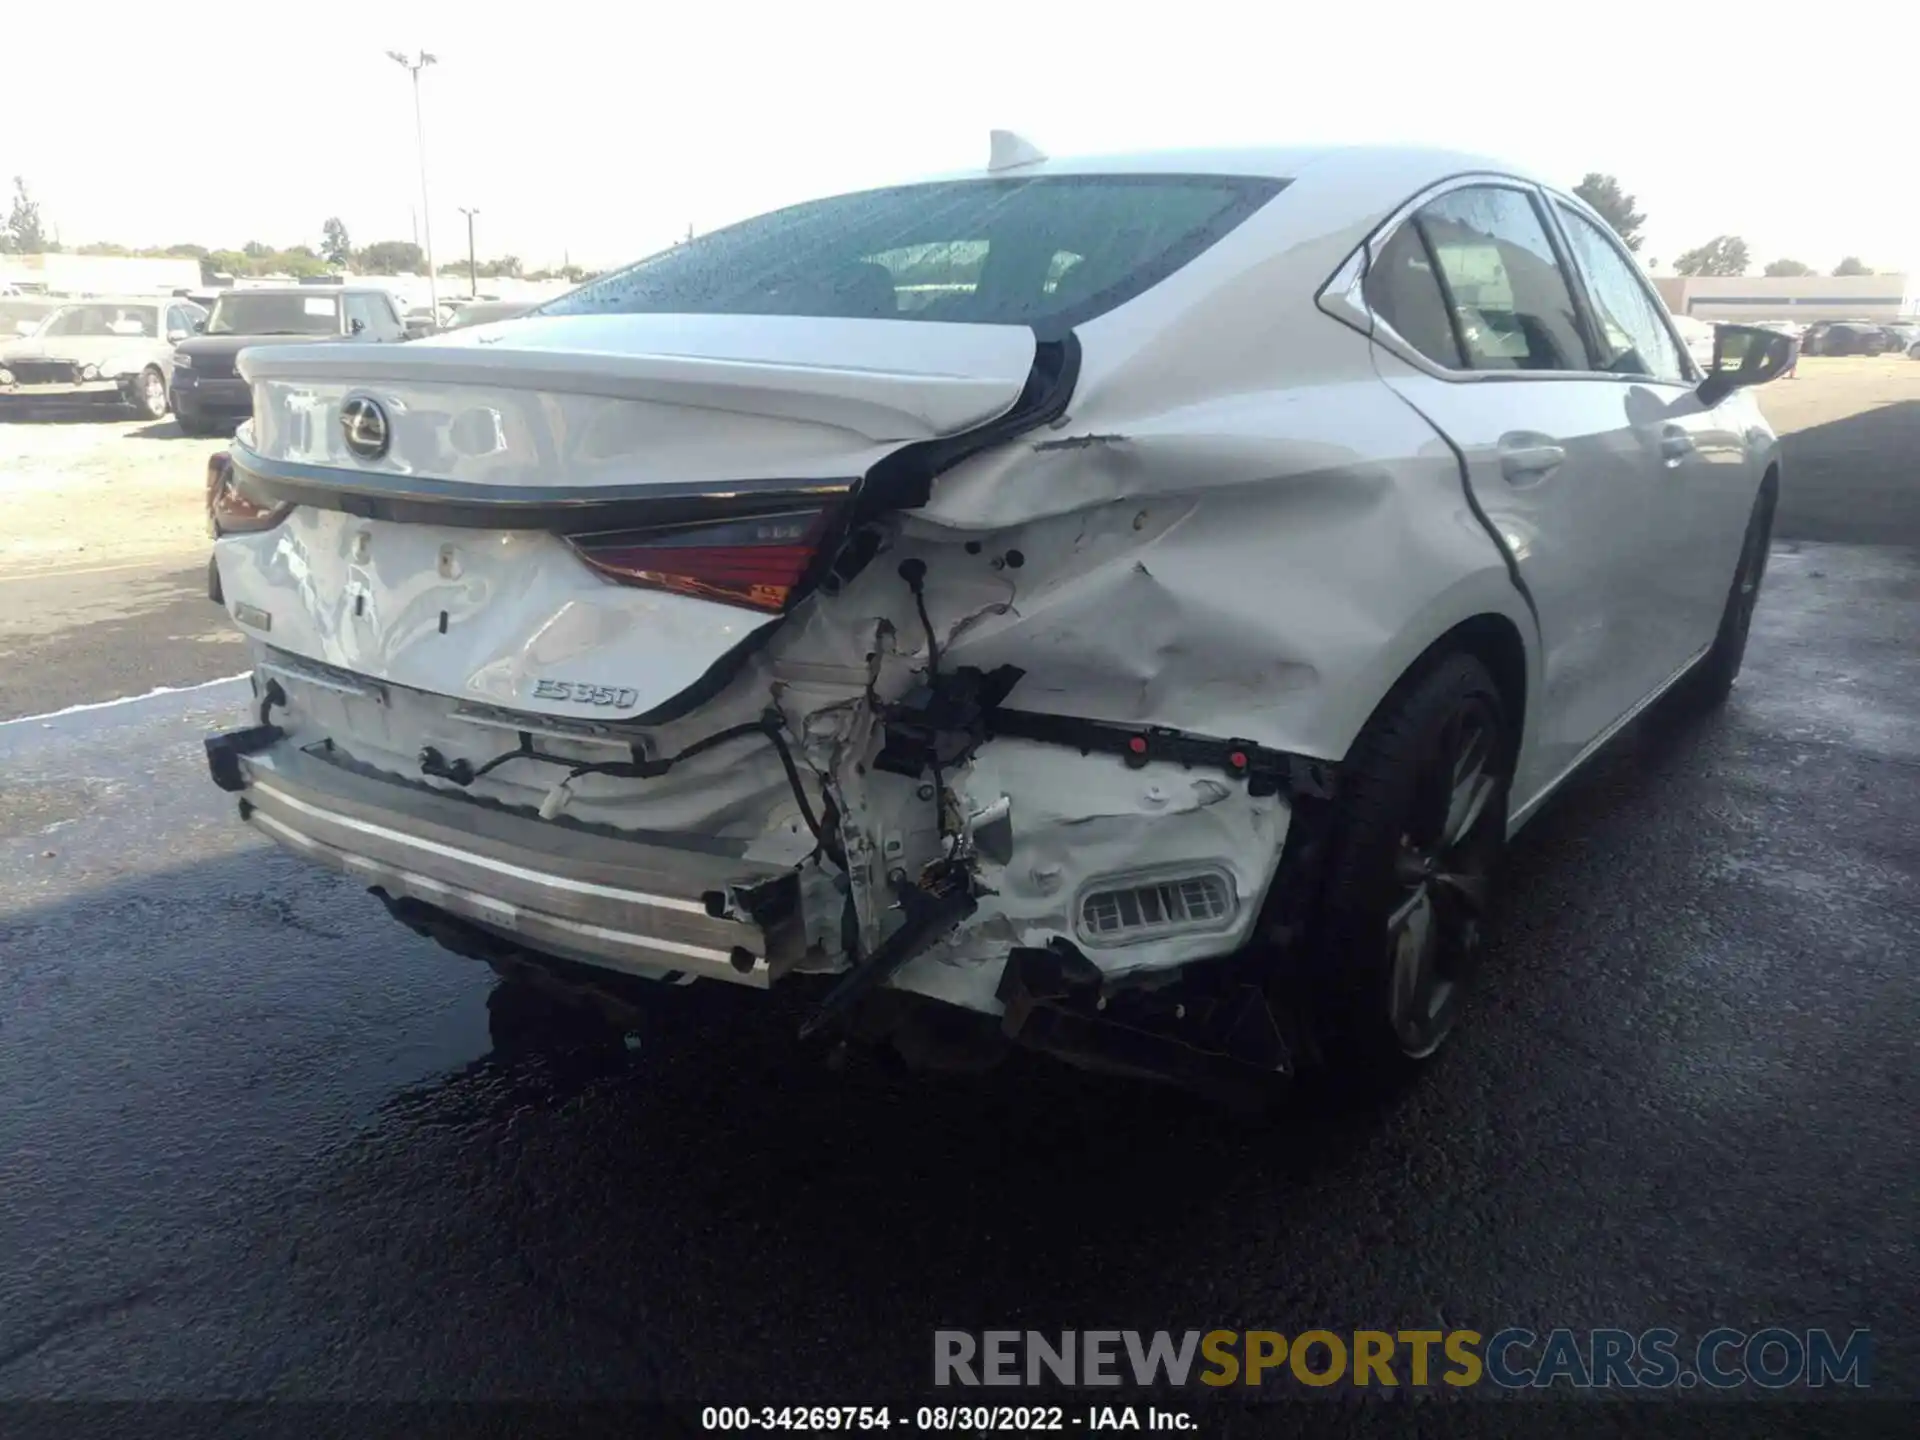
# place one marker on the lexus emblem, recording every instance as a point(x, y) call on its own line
point(365, 426)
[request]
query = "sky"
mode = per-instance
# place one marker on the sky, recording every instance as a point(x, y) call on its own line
point(600, 133)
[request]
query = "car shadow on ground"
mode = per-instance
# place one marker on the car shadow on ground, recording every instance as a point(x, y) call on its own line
point(167, 429)
point(60, 412)
point(1855, 480)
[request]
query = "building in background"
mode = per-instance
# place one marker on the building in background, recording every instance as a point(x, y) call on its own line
point(63, 274)
point(1803, 298)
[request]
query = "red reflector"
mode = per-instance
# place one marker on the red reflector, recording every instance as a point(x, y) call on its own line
point(230, 510)
point(1138, 745)
point(1238, 760)
point(756, 561)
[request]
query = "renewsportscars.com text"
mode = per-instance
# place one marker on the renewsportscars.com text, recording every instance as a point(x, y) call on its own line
point(1772, 1358)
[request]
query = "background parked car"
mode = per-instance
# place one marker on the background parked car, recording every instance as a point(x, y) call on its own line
point(1906, 337)
point(109, 348)
point(1846, 337)
point(208, 394)
point(23, 314)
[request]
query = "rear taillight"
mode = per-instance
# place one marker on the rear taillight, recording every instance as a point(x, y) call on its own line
point(755, 561)
point(230, 511)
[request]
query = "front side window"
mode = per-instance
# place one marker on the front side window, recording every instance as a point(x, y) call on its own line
point(1511, 305)
point(1633, 335)
point(1047, 252)
point(240, 313)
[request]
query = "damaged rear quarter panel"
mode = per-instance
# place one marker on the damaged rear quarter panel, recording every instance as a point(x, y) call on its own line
point(1261, 567)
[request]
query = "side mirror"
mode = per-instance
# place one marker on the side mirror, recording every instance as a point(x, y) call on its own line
point(176, 336)
point(199, 327)
point(354, 327)
point(419, 329)
point(1745, 355)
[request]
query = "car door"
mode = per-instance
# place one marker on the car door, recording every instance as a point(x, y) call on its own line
point(358, 309)
point(1478, 329)
point(1707, 484)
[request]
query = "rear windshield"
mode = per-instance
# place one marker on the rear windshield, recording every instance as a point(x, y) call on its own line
point(1046, 252)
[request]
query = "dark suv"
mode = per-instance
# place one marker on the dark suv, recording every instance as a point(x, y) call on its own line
point(208, 394)
point(1845, 337)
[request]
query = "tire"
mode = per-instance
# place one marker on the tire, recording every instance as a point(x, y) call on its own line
point(1712, 679)
point(1412, 861)
point(148, 396)
point(214, 591)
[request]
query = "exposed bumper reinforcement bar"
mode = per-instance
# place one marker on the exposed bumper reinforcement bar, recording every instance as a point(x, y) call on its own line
point(625, 904)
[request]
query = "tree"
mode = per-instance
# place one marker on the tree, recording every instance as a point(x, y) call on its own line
point(1851, 266)
point(335, 248)
point(24, 234)
point(1722, 255)
point(223, 262)
point(1778, 268)
point(1603, 193)
point(392, 257)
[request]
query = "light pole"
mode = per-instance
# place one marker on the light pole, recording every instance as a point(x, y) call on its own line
point(415, 64)
point(473, 271)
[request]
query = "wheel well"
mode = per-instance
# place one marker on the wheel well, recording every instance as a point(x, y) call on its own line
point(1495, 642)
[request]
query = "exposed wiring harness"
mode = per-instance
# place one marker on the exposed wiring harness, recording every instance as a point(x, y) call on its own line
point(914, 572)
point(769, 726)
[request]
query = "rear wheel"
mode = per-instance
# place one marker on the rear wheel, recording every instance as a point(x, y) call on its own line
point(1420, 829)
point(148, 395)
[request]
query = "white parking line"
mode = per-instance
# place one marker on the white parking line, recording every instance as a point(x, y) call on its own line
point(124, 700)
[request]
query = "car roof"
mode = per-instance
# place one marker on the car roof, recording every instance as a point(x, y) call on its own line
point(306, 290)
point(120, 300)
point(1280, 162)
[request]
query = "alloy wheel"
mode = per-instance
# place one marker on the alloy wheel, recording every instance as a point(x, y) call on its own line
point(1442, 877)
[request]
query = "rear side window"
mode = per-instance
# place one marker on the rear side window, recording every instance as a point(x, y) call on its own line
point(1047, 252)
point(1633, 335)
point(1512, 307)
point(1403, 291)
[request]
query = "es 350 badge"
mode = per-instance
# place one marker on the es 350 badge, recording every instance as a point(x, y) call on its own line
point(583, 694)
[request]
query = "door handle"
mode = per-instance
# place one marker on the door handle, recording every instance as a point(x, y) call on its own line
point(1530, 457)
point(1675, 446)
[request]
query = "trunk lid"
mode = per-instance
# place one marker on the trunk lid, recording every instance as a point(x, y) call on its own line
point(451, 561)
point(578, 402)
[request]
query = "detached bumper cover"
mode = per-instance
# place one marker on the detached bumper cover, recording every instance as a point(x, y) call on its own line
point(645, 908)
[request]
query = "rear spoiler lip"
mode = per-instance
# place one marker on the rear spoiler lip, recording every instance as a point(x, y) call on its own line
point(414, 499)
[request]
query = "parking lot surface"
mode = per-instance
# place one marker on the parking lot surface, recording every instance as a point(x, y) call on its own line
point(260, 1140)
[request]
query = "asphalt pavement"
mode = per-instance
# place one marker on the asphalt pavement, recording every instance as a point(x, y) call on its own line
point(258, 1141)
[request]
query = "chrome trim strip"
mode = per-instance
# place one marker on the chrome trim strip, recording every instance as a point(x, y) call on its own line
point(382, 485)
point(597, 940)
point(467, 857)
point(1343, 298)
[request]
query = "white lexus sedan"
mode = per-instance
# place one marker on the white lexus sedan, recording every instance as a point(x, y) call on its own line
point(1122, 607)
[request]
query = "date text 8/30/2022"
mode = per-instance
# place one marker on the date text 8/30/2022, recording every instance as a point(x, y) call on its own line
point(936, 1419)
